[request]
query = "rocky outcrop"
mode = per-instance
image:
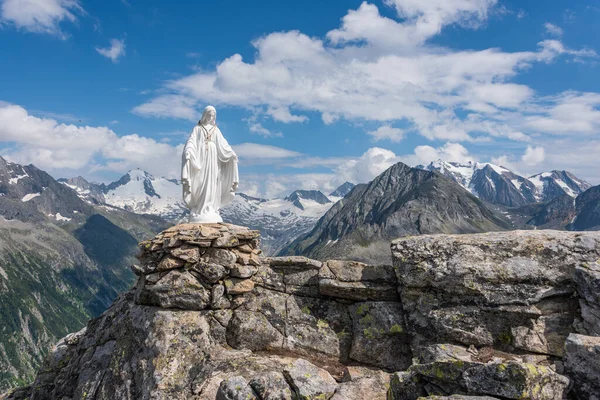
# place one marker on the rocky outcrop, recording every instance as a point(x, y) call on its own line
point(503, 296)
point(460, 317)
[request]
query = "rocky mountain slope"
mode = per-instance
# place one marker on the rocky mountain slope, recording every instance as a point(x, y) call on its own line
point(342, 190)
point(562, 212)
point(506, 315)
point(280, 221)
point(587, 207)
point(63, 261)
point(498, 185)
point(401, 201)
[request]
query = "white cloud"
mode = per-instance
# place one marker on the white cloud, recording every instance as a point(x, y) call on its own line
point(252, 151)
point(553, 30)
point(448, 152)
point(387, 132)
point(377, 69)
point(363, 169)
point(259, 129)
point(579, 158)
point(283, 114)
point(533, 155)
point(568, 113)
point(115, 51)
point(170, 106)
point(40, 16)
point(357, 170)
point(280, 185)
point(69, 149)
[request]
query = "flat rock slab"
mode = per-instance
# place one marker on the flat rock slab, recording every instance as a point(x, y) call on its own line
point(309, 381)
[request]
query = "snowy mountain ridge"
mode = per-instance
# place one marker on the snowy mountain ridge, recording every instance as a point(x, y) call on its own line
point(498, 185)
point(282, 220)
point(279, 220)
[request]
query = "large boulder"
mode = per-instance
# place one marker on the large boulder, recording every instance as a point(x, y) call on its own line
point(508, 290)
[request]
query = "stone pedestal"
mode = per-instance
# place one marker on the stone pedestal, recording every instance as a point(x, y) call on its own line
point(197, 266)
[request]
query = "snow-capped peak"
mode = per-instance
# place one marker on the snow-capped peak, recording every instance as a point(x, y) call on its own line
point(555, 183)
point(139, 175)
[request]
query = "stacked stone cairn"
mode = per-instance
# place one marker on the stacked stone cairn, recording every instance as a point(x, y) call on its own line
point(198, 267)
point(506, 315)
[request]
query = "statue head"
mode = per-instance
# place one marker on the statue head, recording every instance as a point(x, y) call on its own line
point(209, 116)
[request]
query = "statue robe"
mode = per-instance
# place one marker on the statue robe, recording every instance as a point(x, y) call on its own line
point(210, 168)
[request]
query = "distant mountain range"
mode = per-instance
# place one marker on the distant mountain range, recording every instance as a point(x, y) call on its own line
point(498, 185)
point(544, 200)
point(279, 220)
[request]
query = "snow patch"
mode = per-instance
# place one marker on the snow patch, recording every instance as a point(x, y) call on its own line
point(59, 217)
point(565, 187)
point(517, 183)
point(15, 180)
point(30, 196)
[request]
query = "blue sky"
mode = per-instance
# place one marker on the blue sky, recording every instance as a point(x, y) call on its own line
point(310, 94)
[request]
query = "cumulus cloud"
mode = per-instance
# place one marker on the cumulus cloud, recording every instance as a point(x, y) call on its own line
point(115, 51)
point(69, 148)
point(448, 152)
point(283, 114)
point(569, 112)
point(360, 169)
point(259, 129)
point(40, 16)
point(378, 69)
point(387, 132)
point(366, 167)
point(533, 155)
point(553, 30)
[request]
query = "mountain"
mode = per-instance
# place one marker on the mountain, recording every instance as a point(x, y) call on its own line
point(280, 221)
point(498, 185)
point(90, 192)
point(556, 213)
point(141, 193)
point(561, 212)
point(64, 260)
point(556, 183)
point(402, 201)
point(342, 190)
point(137, 191)
point(587, 206)
point(297, 197)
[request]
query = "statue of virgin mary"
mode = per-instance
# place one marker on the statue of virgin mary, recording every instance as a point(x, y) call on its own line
point(209, 173)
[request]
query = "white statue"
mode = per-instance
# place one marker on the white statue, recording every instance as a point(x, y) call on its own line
point(209, 172)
